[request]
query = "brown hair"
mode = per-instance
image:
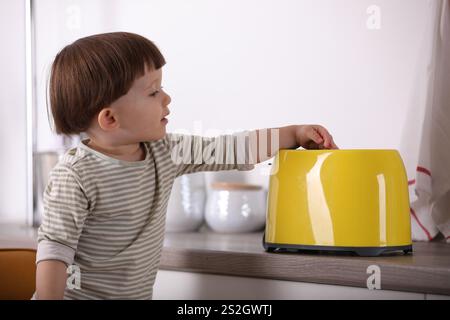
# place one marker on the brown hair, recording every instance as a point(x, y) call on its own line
point(93, 72)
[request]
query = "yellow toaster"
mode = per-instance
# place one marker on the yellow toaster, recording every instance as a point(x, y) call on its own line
point(354, 201)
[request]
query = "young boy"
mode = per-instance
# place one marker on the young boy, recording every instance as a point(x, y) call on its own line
point(106, 199)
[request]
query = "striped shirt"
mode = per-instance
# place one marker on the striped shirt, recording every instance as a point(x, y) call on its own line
point(105, 217)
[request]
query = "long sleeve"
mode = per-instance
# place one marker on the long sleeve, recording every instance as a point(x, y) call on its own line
point(65, 209)
point(191, 153)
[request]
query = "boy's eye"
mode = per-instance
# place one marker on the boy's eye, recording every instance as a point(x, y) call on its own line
point(155, 93)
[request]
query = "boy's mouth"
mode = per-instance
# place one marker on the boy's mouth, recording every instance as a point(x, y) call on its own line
point(164, 119)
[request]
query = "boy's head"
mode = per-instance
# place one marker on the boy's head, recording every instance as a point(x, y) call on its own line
point(109, 86)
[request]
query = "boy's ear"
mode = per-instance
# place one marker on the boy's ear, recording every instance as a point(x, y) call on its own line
point(107, 119)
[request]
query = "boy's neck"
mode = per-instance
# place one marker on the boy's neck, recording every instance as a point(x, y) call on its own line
point(128, 152)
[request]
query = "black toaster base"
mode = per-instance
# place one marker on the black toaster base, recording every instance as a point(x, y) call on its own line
point(360, 251)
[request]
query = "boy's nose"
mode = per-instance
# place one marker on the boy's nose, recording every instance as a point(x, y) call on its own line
point(167, 100)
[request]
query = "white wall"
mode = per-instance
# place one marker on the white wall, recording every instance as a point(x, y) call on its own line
point(236, 65)
point(12, 112)
point(58, 23)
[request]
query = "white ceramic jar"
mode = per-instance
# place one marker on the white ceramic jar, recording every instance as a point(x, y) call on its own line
point(186, 207)
point(235, 207)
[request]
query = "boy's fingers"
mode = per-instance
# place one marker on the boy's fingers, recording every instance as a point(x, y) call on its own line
point(315, 136)
point(331, 144)
point(326, 136)
point(334, 145)
point(322, 137)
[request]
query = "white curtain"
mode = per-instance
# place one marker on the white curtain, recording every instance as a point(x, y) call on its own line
point(426, 135)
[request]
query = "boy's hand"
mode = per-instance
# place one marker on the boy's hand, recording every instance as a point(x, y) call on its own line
point(293, 136)
point(314, 137)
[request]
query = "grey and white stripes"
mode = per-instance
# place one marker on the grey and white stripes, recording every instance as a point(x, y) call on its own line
point(107, 216)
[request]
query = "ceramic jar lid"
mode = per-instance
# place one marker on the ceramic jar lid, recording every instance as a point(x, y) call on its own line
point(234, 186)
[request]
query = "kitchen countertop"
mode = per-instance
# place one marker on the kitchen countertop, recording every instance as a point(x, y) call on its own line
point(427, 270)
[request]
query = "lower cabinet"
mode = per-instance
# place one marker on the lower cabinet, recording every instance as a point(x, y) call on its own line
point(192, 286)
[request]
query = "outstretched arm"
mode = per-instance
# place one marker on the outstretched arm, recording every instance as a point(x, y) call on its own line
point(291, 137)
